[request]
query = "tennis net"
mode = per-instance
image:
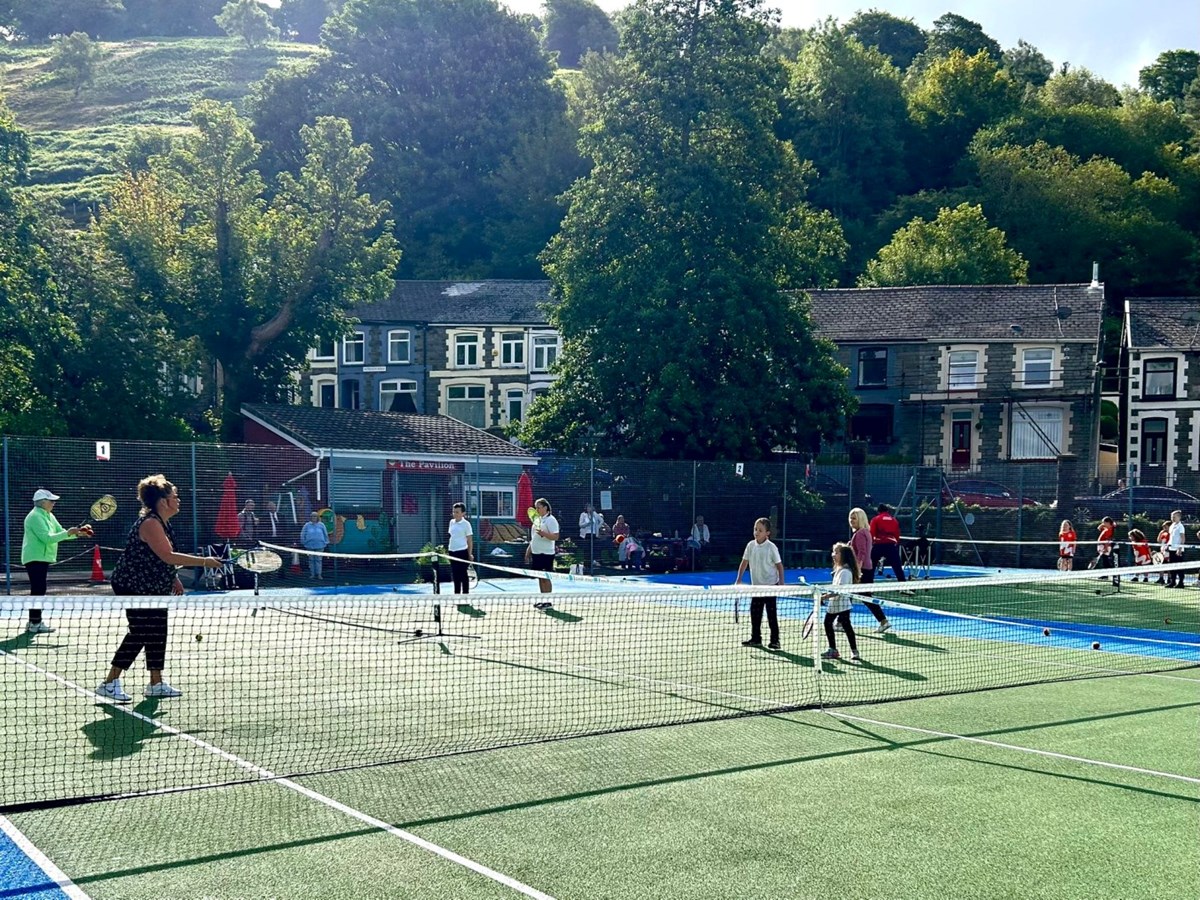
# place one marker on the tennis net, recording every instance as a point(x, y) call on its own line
point(287, 685)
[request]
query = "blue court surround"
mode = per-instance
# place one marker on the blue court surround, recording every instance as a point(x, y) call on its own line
point(20, 876)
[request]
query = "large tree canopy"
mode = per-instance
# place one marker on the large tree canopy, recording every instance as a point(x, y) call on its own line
point(455, 99)
point(672, 262)
point(256, 282)
point(900, 40)
point(573, 27)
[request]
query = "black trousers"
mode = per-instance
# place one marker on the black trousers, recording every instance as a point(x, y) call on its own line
point(868, 577)
point(38, 573)
point(1173, 578)
point(458, 571)
point(844, 618)
point(757, 605)
point(148, 631)
point(889, 553)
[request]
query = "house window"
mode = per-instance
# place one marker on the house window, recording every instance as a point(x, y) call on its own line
point(389, 390)
point(964, 370)
point(354, 349)
point(466, 403)
point(1036, 367)
point(514, 404)
point(466, 351)
point(872, 423)
point(323, 352)
point(350, 396)
point(545, 352)
point(324, 392)
point(872, 367)
point(1037, 433)
point(491, 500)
point(512, 349)
point(398, 347)
point(1158, 379)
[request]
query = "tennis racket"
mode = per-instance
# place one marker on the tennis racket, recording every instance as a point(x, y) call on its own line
point(472, 576)
point(809, 623)
point(101, 510)
point(1157, 557)
point(260, 562)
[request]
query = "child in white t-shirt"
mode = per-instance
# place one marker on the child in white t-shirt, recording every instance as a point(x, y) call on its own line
point(762, 558)
point(845, 572)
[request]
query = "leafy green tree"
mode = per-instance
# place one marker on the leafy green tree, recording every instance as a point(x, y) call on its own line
point(246, 19)
point(167, 18)
point(1026, 64)
point(38, 20)
point(447, 94)
point(955, 97)
point(846, 112)
point(255, 282)
point(786, 43)
point(1076, 87)
point(1168, 77)
point(952, 32)
point(573, 27)
point(303, 18)
point(900, 40)
point(671, 267)
point(76, 57)
point(958, 247)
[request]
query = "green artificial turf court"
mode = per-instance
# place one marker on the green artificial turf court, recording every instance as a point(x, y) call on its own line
point(748, 789)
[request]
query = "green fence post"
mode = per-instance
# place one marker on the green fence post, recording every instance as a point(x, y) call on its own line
point(7, 527)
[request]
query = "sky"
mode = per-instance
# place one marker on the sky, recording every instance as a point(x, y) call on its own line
point(1113, 38)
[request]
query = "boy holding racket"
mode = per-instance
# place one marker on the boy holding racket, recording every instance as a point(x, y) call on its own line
point(762, 558)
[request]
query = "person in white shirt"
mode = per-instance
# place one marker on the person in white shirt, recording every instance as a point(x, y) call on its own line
point(272, 518)
point(1176, 536)
point(762, 558)
point(700, 535)
point(845, 573)
point(591, 526)
point(539, 553)
point(461, 548)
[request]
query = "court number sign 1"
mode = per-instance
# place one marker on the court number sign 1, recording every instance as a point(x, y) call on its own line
point(103, 451)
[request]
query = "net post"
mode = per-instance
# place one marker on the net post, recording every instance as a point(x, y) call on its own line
point(817, 631)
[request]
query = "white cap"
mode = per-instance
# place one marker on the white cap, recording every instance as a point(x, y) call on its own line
point(44, 494)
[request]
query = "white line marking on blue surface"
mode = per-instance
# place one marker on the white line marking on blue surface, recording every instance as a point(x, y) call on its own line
point(53, 872)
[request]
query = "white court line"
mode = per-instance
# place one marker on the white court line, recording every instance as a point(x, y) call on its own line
point(43, 862)
point(266, 774)
point(1048, 753)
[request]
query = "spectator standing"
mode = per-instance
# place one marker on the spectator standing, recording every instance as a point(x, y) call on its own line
point(147, 568)
point(862, 545)
point(591, 526)
point(39, 550)
point(272, 519)
point(885, 538)
point(314, 536)
point(460, 547)
point(248, 523)
point(1176, 535)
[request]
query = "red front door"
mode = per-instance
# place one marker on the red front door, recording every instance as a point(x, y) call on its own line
point(960, 443)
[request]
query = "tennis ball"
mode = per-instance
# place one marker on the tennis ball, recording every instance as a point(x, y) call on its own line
point(418, 633)
point(1167, 620)
point(1045, 632)
point(1095, 645)
point(199, 638)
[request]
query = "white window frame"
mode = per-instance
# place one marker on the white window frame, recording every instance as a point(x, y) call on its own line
point(317, 382)
point(512, 341)
point(467, 386)
point(874, 352)
point(1023, 374)
point(1145, 395)
point(1031, 446)
point(392, 338)
point(460, 343)
point(384, 387)
point(506, 499)
point(506, 394)
point(949, 373)
point(314, 353)
point(544, 345)
point(359, 338)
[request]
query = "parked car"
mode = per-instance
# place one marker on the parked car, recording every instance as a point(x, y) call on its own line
point(1151, 500)
point(976, 492)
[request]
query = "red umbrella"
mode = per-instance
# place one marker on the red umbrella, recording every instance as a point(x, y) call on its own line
point(228, 526)
point(524, 495)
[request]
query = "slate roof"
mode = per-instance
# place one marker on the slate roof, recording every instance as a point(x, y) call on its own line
point(461, 303)
point(383, 432)
point(958, 313)
point(1167, 322)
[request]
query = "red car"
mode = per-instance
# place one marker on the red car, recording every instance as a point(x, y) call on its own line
point(975, 492)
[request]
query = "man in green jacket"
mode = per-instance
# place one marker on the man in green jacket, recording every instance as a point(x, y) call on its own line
point(39, 548)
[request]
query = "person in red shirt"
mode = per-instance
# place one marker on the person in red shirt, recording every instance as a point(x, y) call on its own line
point(885, 541)
point(1141, 551)
point(1106, 555)
point(1066, 546)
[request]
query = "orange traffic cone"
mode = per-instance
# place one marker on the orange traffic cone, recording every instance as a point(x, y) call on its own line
point(97, 568)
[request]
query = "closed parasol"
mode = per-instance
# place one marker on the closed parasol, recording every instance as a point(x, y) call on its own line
point(524, 495)
point(228, 526)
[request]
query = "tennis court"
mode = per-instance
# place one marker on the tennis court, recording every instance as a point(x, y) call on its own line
point(620, 744)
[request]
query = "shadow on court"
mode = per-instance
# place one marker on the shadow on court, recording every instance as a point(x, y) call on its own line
point(560, 615)
point(120, 734)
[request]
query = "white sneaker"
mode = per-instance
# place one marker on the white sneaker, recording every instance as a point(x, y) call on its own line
point(854, 657)
point(39, 628)
point(111, 690)
point(162, 691)
point(884, 627)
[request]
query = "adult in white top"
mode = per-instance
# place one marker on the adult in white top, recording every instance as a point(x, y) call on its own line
point(762, 558)
point(591, 526)
point(1175, 539)
point(539, 554)
point(461, 548)
point(701, 536)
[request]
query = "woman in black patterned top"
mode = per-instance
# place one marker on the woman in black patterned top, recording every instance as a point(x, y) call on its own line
point(147, 569)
